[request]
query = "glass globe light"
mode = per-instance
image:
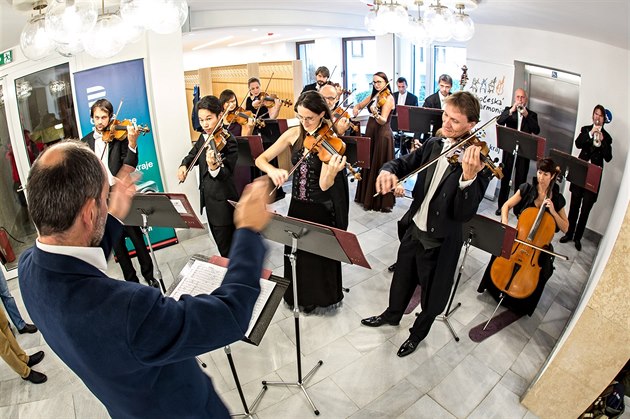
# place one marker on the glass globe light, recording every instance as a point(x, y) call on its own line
point(68, 20)
point(105, 39)
point(371, 24)
point(135, 12)
point(393, 19)
point(420, 34)
point(131, 33)
point(439, 22)
point(34, 41)
point(463, 27)
point(71, 49)
point(168, 16)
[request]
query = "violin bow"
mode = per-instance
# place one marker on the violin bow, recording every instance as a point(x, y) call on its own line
point(450, 149)
point(203, 147)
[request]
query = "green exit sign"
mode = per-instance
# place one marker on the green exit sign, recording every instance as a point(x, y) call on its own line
point(6, 57)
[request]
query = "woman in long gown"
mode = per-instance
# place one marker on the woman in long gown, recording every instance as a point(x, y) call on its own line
point(381, 104)
point(319, 194)
point(528, 196)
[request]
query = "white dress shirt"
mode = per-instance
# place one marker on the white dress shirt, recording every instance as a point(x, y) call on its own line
point(402, 97)
point(91, 255)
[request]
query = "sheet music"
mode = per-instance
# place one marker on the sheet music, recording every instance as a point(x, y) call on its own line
point(179, 206)
point(204, 278)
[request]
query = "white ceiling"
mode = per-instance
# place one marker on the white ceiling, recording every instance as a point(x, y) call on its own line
point(605, 21)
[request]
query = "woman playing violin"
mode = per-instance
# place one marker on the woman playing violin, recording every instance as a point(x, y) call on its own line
point(216, 175)
point(255, 101)
point(528, 196)
point(380, 104)
point(319, 194)
point(229, 103)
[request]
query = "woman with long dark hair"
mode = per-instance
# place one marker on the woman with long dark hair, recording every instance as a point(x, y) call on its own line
point(381, 104)
point(319, 194)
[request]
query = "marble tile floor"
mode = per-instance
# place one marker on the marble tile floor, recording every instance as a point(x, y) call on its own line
point(361, 376)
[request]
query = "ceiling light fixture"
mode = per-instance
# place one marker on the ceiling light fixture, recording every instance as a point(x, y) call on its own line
point(70, 26)
point(216, 41)
point(249, 41)
point(421, 22)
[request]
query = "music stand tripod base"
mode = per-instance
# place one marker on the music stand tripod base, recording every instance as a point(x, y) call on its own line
point(296, 315)
point(248, 409)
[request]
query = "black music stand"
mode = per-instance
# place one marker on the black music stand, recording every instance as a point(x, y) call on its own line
point(529, 146)
point(577, 171)
point(156, 210)
point(322, 240)
point(358, 150)
point(421, 120)
point(256, 335)
point(485, 234)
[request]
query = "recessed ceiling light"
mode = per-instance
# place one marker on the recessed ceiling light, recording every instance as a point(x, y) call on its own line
point(248, 41)
point(216, 41)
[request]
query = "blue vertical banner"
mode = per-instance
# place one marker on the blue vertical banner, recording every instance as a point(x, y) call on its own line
point(124, 85)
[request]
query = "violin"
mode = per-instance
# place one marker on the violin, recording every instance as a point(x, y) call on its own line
point(325, 143)
point(483, 155)
point(241, 117)
point(219, 140)
point(341, 90)
point(117, 130)
point(269, 100)
point(340, 113)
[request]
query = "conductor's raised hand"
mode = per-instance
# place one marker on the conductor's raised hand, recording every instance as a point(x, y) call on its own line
point(122, 192)
point(385, 182)
point(471, 162)
point(251, 210)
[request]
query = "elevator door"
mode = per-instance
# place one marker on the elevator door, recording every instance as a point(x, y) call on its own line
point(555, 100)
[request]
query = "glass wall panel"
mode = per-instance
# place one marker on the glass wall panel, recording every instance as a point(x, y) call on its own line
point(448, 60)
point(305, 52)
point(46, 108)
point(15, 223)
point(419, 82)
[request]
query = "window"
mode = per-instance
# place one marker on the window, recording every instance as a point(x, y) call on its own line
point(418, 82)
point(448, 60)
point(359, 58)
point(304, 52)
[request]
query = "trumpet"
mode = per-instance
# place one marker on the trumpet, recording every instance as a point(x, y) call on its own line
point(597, 138)
point(520, 109)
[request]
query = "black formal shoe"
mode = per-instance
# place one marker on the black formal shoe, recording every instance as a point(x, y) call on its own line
point(578, 245)
point(153, 283)
point(391, 267)
point(377, 321)
point(28, 328)
point(35, 377)
point(35, 359)
point(566, 238)
point(408, 347)
point(498, 212)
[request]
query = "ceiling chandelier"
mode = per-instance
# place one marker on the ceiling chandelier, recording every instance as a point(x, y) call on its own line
point(72, 26)
point(421, 22)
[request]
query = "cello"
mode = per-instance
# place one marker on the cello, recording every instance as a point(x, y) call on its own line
point(518, 276)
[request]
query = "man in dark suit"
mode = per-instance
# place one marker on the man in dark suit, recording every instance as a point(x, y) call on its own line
point(115, 154)
point(445, 196)
point(595, 144)
point(402, 96)
point(437, 99)
point(216, 175)
point(322, 74)
point(133, 348)
point(521, 118)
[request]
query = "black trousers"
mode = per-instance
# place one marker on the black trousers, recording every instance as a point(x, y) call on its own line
point(520, 175)
point(222, 236)
point(416, 265)
point(582, 202)
point(146, 264)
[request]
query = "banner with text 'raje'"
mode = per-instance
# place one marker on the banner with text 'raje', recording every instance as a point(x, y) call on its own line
point(124, 85)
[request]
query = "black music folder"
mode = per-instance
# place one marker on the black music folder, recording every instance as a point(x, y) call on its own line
point(202, 275)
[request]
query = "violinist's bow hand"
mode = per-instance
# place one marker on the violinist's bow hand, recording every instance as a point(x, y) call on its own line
point(278, 176)
point(385, 182)
point(181, 173)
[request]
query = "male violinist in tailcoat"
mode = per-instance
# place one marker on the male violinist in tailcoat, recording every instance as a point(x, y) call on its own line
point(445, 196)
point(114, 154)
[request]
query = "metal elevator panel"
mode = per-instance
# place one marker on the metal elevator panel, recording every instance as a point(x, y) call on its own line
point(556, 103)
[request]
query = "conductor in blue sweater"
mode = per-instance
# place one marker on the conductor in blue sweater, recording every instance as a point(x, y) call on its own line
point(133, 348)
